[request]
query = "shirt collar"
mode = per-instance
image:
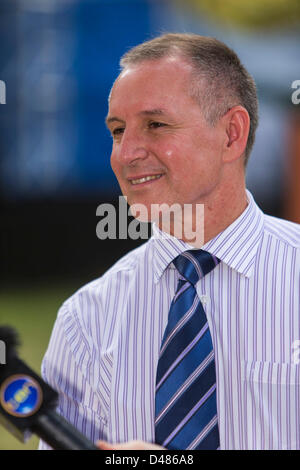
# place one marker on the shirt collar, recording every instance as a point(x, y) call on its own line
point(236, 246)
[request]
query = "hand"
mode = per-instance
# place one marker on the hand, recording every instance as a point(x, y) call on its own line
point(131, 445)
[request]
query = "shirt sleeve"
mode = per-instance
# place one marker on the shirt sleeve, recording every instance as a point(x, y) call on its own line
point(67, 367)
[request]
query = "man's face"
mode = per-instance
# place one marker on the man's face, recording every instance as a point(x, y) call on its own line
point(163, 149)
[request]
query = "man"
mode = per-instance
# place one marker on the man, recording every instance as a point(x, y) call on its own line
point(178, 346)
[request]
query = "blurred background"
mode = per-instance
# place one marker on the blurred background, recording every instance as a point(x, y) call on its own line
point(58, 60)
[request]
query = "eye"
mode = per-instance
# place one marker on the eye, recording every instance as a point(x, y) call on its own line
point(117, 131)
point(156, 124)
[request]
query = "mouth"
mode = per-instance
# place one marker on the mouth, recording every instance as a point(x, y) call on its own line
point(144, 179)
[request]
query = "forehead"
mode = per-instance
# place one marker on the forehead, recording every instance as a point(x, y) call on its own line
point(151, 83)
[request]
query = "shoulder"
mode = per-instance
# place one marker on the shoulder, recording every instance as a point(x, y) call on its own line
point(93, 302)
point(283, 230)
point(124, 269)
point(92, 310)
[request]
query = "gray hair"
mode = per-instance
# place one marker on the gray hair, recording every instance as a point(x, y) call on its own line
point(219, 81)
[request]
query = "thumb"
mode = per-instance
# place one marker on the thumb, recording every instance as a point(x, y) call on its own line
point(103, 445)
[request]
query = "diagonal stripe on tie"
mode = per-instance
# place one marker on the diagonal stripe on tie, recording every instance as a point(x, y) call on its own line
point(190, 414)
point(185, 404)
point(181, 357)
point(186, 317)
point(185, 369)
point(185, 386)
point(204, 433)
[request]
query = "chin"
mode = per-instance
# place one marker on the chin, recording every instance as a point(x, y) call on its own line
point(159, 212)
point(141, 210)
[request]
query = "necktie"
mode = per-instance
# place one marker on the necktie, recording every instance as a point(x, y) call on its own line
point(185, 402)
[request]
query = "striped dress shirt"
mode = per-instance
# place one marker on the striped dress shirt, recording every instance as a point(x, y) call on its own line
point(104, 348)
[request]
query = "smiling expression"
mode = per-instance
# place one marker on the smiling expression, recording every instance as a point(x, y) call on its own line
point(163, 151)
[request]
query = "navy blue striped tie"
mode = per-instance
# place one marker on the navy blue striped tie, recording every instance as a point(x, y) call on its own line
point(185, 403)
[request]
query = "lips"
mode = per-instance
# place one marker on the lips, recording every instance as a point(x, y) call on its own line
point(144, 179)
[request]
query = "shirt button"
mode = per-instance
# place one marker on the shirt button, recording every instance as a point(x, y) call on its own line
point(204, 299)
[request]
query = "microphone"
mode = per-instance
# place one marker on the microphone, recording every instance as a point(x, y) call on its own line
point(27, 403)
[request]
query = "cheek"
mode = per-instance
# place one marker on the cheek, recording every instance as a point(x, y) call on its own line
point(177, 159)
point(114, 164)
point(173, 156)
point(169, 153)
point(173, 159)
point(180, 157)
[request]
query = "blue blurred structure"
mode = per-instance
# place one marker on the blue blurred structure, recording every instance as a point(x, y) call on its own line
point(58, 59)
point(59, 70)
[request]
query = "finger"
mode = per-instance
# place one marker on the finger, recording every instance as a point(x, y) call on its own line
point(103, 445)
point(131, 445)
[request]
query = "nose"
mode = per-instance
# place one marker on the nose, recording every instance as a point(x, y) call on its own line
point(131, 149)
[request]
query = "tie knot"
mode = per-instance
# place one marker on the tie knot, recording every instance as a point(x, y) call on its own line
point(195, 264)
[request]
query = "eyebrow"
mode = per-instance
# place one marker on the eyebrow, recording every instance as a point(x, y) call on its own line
point(146, 112)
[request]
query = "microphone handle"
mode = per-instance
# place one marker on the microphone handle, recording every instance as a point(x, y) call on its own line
point(59, 434)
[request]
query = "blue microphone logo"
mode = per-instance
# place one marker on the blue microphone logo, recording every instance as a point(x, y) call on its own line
point(20, 396)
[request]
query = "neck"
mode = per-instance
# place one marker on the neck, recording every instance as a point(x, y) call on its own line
point(199, 223)
point(221, 215)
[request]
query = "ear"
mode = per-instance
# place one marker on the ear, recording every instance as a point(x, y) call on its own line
point(236, 125)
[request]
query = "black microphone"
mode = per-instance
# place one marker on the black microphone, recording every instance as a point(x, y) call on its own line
point(27, 403)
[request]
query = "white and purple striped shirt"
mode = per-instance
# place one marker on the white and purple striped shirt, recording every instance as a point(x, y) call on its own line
point(104, 348)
